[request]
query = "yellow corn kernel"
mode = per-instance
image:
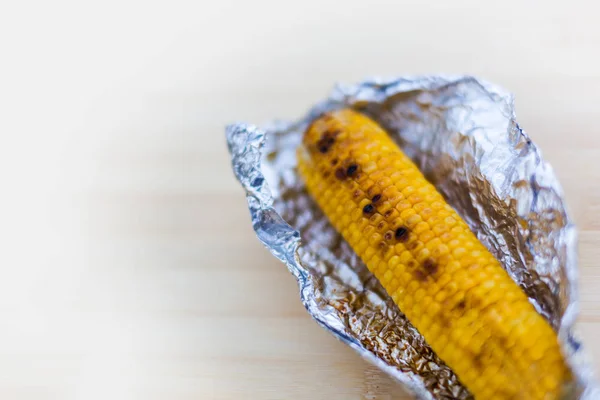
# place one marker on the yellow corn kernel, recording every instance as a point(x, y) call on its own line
point(444, 280)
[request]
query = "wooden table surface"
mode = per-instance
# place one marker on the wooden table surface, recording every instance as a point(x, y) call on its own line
point(132, 271)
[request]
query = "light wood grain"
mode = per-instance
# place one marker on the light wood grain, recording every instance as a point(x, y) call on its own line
point(131, 270)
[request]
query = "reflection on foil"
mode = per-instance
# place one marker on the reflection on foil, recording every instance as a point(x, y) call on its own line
point(462, 133)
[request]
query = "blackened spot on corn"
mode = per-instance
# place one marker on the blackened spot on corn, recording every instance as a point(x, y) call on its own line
point(461, 305)
point(411, 263)
point(420, 275)
point(401, 233)
point(376, 198)
point(326, 141)
point(340, 173)
point(352, 168)
point(388, 235)
point(326, 174)
point(334, 161)
point(325, 144)
point(382, 245)
point(388, 212)
point(430, 266)
point(368, 209)
point(381, 225)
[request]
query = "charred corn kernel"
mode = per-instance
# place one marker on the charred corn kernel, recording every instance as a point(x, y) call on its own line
point(443, 279)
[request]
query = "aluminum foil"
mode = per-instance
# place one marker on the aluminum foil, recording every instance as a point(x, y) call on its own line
point(462, 133)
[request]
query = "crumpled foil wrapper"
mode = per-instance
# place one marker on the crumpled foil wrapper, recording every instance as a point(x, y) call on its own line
point(462, 133)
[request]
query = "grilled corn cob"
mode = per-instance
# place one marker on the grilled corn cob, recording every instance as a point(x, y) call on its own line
point(449, 286)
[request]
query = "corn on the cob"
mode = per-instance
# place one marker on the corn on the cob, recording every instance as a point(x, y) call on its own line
point(442, 278)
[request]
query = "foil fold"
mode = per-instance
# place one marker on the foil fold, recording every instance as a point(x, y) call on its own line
point(462, 133)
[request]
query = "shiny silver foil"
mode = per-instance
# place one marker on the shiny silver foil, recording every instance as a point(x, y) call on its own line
point(462, 133)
